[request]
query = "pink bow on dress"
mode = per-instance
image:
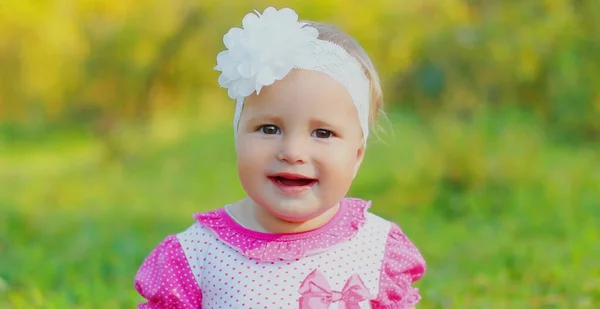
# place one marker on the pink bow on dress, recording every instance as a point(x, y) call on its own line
point(317, 294)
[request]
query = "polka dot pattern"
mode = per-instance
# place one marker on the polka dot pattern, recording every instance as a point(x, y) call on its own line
point(269, 247)
point(402, 265)
point(165, 279)
point(198, 268)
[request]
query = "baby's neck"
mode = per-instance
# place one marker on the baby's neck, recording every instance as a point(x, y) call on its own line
point(255, 217)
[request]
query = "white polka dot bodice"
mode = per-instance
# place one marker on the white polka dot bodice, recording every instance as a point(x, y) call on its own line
point(230, 280)
point(358, 260)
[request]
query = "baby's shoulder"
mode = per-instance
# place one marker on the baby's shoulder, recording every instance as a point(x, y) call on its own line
point(377, 221)
point(376, 224)
point(195, 235)
point(381, 228)
point(205, 225)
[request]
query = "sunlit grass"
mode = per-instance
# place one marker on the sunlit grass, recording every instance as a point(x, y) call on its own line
point(505, 217)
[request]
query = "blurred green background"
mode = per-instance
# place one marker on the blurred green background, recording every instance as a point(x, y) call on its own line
point(113, 131)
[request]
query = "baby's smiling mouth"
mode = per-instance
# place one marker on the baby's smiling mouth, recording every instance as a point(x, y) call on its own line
point(292, 180)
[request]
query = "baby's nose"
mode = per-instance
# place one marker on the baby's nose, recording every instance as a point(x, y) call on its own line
point(293, 151)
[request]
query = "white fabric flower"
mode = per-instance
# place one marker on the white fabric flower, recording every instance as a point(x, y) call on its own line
point(268, 47)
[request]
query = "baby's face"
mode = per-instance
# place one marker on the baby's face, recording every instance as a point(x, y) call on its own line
point(299, 144)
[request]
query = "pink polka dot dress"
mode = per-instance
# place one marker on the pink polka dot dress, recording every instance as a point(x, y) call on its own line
point(356, 260)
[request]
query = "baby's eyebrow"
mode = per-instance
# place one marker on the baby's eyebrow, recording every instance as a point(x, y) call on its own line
point(321, 122)
point(265, 117)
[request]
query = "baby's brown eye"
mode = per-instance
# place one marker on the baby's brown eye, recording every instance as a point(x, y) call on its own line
point(322, 133)
point(269, 129)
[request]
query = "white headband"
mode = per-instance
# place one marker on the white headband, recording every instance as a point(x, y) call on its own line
point(270, 45)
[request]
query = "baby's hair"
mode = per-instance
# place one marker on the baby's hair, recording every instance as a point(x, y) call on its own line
point(333, 34)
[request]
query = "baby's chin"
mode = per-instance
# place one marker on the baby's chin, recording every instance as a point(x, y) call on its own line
point(295, 214)
point(295, 218)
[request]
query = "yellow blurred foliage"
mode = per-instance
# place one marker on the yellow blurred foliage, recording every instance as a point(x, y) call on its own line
point(79, 60)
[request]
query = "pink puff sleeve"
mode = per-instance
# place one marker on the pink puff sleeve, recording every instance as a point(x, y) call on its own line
point(403, 264)
point(165, 279)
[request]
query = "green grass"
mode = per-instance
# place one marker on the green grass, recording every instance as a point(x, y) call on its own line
point(505, 217)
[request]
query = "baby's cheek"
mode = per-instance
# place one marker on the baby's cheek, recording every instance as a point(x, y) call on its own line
point(348, 160)
point(249, 152)
point(335, 162)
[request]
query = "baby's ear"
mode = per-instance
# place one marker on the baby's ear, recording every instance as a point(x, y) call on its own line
point(360, 155)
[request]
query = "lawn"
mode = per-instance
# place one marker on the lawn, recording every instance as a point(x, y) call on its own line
point(505, 216)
